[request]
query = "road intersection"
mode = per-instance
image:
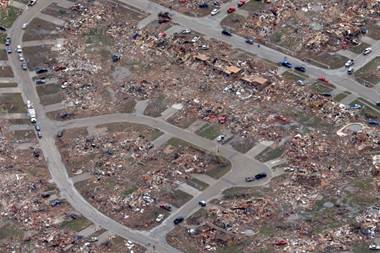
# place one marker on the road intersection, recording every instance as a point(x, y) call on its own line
point(242, 165)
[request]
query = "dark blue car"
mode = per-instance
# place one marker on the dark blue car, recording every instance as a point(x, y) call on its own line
point(300, 68)
point(286, 64)
point(373, 122)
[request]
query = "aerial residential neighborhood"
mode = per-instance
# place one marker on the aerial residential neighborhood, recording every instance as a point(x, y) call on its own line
point(190, 126)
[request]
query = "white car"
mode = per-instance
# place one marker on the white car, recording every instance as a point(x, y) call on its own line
point(160, 217)
point(24, 26)
point(214, 12)
point(366, 51)
point(186, 31)
point(195, 39)
point(204, 47)
point(220, 138)
point(350, 70)
point(32, 2)
point(21, 58)
point(349, 63)
point(19, 49)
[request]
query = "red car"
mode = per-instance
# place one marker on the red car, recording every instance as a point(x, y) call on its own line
point(231, 10)
point(241, 3)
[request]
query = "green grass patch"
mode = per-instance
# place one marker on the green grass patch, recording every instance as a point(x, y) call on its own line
point(319, 87)
point(359, 48)
point(76, 224)
point(156, 106)
point(293, 76)
point(270, 154)
point(267, 230)
point(341, 96)
point(209, 131)
point(48, 89)
point(98, 35)
point(8, 16)
point(219, 171)
point(374, 31)
point(197, 184)
point(367, 110)
point(180, 198)
point(334, 61)
point(8, 85)
point(253, 6)
point(369, 73)
point(51, 99)
point(11, 231)
point(12, 103)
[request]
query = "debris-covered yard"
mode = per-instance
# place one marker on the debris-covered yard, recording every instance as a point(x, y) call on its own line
point(308, 29)
point(326, 200)
point(128, 178)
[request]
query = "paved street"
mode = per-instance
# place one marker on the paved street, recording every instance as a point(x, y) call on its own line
point(242, 165)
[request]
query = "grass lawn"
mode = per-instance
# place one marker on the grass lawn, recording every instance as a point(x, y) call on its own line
point(270, 154)
point(369, 73)
point(8, 16)
point(320, 87)
point(12, 103)
point(76, 224)
point(197, 184)
point(359, 48)
point(293, 76)
point(341, 96)
point(180, 198)
point(8, 85)
point(367, 111)
point(374, 31)
point(209, 131)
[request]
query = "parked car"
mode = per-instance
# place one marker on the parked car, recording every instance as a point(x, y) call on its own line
point(19, 49)
point(39, 134)
point(37, 127)
point(286, 64)
point(349, 63)
point(231, 10)
point(226, 32)
point(325, 94)
point(40, 70)
point(373, 122)
point(350, 70)
point(60, 133)
point(195, 39)
point(214, 12)
point(300, 83)
point(24, 66)
point(249, 41)
point(249, 179)
point(40, 81)
point(203, 5)
point(166, 207)
point(220, 138)
point(204, 47)
point(160, 217)
point(366, 51)
point(24, 25)
point(32, 2)
point(7, 41)
point(55, 202)
point(202, 203)
point(8, 49)
point(356, 106)
point(186, 31)
point(178, 220)
point(241, 3)
point(260, 176)
point(300, 68)
point(378, 103)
